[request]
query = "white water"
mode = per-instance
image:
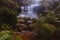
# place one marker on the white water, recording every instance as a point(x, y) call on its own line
point(29, 10)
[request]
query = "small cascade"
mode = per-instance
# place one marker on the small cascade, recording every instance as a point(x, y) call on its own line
point(27, 11)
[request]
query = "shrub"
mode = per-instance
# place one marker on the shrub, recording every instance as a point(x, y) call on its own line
point(9, 35)
point(44, 31)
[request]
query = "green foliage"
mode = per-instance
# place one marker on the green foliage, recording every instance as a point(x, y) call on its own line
point(6, 27)
point(5, 35)
point(8, 12)
point(44, 30)
point(57, 13)
point(50, 17)
point(7, 16)
point(9, 4)
point(9, 35)
point(18, 38)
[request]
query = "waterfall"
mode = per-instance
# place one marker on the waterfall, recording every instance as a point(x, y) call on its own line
point(27, 11)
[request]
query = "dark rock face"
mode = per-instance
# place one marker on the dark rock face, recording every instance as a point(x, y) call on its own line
point(39, 9)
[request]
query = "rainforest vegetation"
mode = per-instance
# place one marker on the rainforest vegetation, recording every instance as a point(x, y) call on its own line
point(45, 27)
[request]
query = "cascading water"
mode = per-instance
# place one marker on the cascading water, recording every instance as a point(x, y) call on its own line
point(27, 11)
point(34, 5)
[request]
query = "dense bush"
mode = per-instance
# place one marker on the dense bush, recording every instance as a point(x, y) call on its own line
point(9, 35)
point(5, 35)
point(7, 16)
point(44, 31)
point(8, 13)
